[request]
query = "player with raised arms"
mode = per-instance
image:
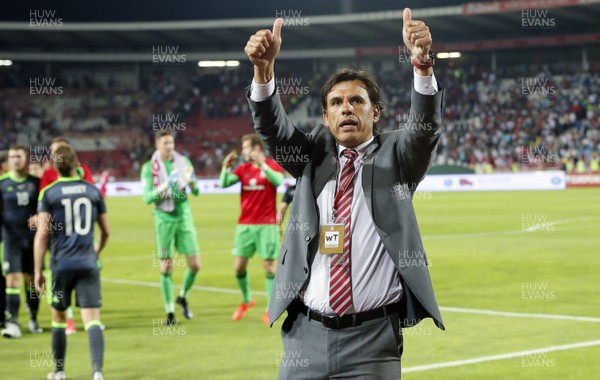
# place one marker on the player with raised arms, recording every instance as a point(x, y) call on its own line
point(257, 229)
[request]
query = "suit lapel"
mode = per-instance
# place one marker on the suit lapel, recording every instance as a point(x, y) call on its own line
point(373, 146)
point(326, 169)
point(367, 173)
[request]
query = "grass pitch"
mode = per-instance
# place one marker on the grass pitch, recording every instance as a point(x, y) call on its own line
point(534, 255)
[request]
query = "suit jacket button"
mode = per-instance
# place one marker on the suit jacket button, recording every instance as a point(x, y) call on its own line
point(305, 270)
point(307, 238)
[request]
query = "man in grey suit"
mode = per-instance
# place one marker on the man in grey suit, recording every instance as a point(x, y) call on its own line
point(352, 271)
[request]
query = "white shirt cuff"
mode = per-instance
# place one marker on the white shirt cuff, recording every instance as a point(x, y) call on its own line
point(425, 85)
point(260, 92)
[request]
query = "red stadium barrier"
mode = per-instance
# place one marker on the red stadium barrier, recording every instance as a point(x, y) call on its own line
point(583, 180)
point(519, 5)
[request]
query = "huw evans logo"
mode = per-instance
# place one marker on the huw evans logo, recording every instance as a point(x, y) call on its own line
point(167, 55)
point(537, 19)
point(44, 87)
point(292, 18)
point(44, 19)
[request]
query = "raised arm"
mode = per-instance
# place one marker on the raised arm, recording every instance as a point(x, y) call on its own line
point(270, 119)
point(274, 177)
point(227, 178)
point(419, 136)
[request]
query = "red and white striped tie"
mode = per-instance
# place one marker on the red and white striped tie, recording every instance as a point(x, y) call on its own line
point(340, 284)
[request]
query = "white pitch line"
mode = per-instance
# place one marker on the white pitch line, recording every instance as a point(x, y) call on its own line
point(510, 355)
point(520, 315)
point(472, 235)
point(125, 258)
point(443, 308)
point(508, 232)
point(425, 367)
point(152, 257)
point(195, 287)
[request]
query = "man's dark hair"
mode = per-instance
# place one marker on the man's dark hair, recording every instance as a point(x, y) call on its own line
point(19, 147)
point(65, 160)
point(347, 74)
point(158, 135)
point(254, 139)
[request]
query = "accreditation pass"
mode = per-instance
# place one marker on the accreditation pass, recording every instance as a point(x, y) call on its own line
point(331, 240)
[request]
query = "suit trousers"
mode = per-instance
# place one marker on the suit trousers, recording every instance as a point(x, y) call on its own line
point(369, 351)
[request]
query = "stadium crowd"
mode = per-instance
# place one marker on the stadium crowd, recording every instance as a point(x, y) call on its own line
point(513, 118)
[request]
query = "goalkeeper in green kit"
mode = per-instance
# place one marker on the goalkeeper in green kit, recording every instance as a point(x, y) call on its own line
point(165, 179)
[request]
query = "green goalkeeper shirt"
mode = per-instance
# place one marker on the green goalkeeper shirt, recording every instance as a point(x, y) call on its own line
point(182, 206)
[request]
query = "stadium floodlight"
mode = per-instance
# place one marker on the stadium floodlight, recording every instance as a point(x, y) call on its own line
point(218, 63)
point(444, 55)
point(5, 62)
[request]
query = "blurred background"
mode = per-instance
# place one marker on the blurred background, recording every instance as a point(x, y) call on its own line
point(515, 272)
point(522, 79)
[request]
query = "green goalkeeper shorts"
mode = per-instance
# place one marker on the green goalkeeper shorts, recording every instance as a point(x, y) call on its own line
point(171, 236)
point(250, 238)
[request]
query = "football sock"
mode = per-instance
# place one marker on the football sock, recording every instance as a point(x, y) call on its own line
point(13, 301)
point(166, 285)
point(243, 281)
point(96, 340)
point(2, 295)
point(33, 302)
point(188, 281)
point(59, 344)
point(270, 277)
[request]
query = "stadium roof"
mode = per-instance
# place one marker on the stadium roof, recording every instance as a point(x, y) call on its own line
point(178, 10)
point(46, 36)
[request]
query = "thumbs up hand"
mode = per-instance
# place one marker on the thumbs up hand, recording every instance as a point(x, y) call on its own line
point(417, 38)
point(262, 48)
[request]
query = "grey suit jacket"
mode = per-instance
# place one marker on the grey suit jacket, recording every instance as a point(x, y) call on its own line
point(393, 166)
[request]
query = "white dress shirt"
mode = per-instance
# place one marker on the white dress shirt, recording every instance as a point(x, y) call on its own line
point(374, 278)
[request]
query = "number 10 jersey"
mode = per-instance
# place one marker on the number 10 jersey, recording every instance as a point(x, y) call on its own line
point(74, 206)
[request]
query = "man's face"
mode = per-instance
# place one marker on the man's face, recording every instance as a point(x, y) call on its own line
point(165, 146)
point(350, 115)
point(35, 169)
point(247, 148)
point(17, 160)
